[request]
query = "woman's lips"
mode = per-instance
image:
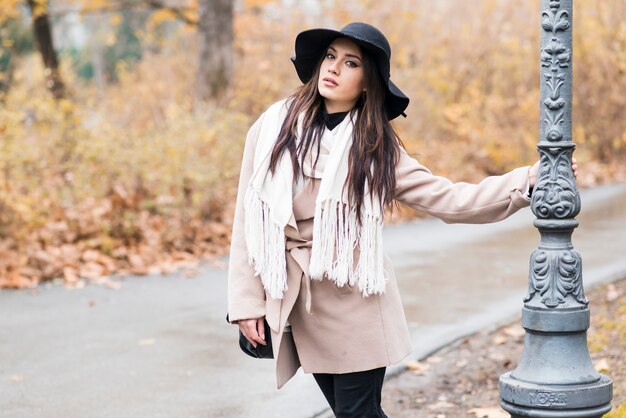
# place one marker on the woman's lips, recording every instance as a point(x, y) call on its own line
point(330, 82)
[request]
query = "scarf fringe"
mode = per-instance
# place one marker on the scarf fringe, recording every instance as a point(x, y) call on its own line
point(370, 271)
point(335, 234)
point(266, 245)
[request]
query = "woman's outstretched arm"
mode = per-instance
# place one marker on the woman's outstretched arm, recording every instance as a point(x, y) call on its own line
point(491, 200)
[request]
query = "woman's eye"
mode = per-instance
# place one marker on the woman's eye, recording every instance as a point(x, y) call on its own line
point(329, 56)
point(351, 64)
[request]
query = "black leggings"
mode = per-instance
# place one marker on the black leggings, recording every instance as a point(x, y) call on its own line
point(353, 395)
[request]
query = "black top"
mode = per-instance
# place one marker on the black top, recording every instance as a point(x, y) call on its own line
point(334, 119)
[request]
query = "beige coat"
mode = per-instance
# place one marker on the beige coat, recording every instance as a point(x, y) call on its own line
point(337, 330)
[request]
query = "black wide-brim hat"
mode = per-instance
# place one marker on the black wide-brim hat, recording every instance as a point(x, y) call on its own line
point(311, 44)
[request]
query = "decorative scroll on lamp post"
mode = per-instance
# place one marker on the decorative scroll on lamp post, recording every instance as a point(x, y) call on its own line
point(555, 377)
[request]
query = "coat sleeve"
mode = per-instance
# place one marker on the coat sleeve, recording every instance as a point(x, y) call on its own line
point(491, 200)
point(246, 296)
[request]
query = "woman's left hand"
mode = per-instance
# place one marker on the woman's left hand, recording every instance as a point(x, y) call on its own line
point(534, 172)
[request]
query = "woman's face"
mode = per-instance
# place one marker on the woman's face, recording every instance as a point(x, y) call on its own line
point(341, 76)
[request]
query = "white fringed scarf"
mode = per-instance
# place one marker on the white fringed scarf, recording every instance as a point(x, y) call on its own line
point(336, 232)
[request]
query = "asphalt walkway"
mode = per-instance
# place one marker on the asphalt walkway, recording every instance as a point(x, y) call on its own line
point(159, 346)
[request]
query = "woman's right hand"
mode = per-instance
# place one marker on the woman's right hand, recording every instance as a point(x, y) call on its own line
point(253, 330)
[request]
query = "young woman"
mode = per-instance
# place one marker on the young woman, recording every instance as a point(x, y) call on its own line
point(318, 170)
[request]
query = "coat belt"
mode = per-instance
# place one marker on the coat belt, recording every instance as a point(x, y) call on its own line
point(300, 251)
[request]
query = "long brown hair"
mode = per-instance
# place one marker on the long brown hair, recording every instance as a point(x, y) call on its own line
point(375, 150)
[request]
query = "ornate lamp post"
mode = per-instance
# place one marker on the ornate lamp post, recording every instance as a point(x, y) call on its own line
point(555, 377)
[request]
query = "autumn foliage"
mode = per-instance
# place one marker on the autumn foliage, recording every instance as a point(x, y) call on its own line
point(137, 177)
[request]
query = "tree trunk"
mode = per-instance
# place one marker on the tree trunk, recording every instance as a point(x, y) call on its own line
point(43, 36)
point(215, 31)
point(6, 79)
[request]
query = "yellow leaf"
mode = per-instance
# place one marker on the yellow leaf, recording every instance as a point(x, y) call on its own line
point(116, 19)
point(9, 9)
point(160, 16)
point(40, 7)
point(88, 6)
point(257, 3)
point(617, 412)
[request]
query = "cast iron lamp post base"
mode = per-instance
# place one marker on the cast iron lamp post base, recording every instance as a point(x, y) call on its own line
point(521, 412)
point(555, 376)
point(524, 399)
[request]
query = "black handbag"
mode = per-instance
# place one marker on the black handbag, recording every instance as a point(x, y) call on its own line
point(261, 351)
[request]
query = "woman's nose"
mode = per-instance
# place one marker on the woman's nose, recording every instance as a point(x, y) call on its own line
point(332, 68)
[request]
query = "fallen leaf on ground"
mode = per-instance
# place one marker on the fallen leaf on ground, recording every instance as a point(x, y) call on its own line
point(602, 365)
point(441, 405)
point(137, 264)
point(190, 273)
point(612, 293)
point(434, 359)
point(70, 275)
point(147, 341)
point(110, 284)
point(77, 285)
point(217, 264)
point(16, 377)
point(461, 363)
point(154, 270)
point(92, 270)
point(494, 412)
point(416, 367)
point(514, 331)
point(91, 255)
point(496, 356)
point(499, 340)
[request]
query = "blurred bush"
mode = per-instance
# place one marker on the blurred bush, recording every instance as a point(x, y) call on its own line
point(126, 179)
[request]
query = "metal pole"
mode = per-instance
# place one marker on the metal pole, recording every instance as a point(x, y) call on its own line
point(555, 377)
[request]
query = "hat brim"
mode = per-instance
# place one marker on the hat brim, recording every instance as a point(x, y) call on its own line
point(310, 47)
point(396, 102)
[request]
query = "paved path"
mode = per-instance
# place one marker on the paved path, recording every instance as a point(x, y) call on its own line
point(159, 346)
